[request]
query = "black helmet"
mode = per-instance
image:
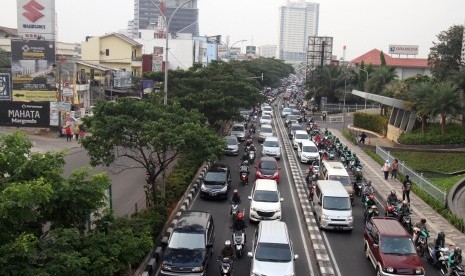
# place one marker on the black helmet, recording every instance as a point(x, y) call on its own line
point(441, 235)
point(458, 251)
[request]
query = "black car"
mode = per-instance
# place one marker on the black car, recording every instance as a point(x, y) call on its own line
point(217, 182)
point(190, 245)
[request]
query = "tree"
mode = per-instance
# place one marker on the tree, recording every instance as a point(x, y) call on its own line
point(379, 79)
point(149, 133)
point(445, 101)
point(4, 60)
point(444, 57)
point(327, 81)
point(458, 78)
point(420, 100)
point(383, 59)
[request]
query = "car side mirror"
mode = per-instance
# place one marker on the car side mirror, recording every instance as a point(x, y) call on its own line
point(250, 254)
point(296, 257)
point(249, 197)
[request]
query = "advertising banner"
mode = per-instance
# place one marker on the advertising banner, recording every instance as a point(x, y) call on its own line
point(21, 114)
point(36, 19)
point(5, 87)
point(122, 79)
point(250, 50)
point(403, 49)
point(32, 67)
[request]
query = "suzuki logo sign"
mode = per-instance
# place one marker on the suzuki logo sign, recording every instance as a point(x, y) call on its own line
point(33, 11)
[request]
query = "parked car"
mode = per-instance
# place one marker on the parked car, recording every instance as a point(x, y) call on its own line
point(232, 145)
point(238, 130)
point(286, 111)
point(190, 245)
point(216, 182)
point(271, 147)
point(267, 168)
point(264, 131)
point(299, 136)
point(389, 248)
point(265, 201)
point(265, 119)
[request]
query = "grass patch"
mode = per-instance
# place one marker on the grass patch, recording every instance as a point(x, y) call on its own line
point(349, 135)
point(446, 183)
point(439, 162)
point(454, 134)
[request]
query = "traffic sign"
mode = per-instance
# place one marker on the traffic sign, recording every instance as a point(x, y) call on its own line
point(34, 96)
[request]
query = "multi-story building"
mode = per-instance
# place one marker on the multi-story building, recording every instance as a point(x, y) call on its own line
point(147, 15)
point(298, 21)
point(463, 47)
point(267, 51)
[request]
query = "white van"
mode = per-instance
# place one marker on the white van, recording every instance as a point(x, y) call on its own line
point(334, 170)
point(331, 205)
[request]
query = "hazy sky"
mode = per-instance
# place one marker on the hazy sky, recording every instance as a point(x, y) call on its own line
point(361, 25)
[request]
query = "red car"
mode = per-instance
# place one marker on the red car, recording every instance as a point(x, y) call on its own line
point(267, 168)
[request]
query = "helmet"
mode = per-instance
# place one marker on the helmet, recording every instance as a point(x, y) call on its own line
point(441, 235)
point(235, 191)
point(404, 202)
point(457, 250)
point(423, 220)
point(374, 207)
point(357, 169)
point(372, 196)
point(227, 243)
point(393, 192)
point(240, 215)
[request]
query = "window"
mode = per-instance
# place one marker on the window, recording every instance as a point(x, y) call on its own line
point(140, 35)
point(336, 203)
point(107, 52)
point(273, 252)
point(187, 240)
point(397, 246)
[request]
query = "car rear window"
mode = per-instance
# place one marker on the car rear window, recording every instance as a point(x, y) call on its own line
point(301, 136)
point(237, 128)
point(231, 141)
point(266, 130)
point(266, 117)
point(215, 177)
point(309, 149)
point(345, 180)
point(268, 165)
point(273, 252)
point(397, 246)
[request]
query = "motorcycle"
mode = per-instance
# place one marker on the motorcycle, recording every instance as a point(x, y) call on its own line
point(391, 210)
point(226, 267)
point(252, 155)
point(244, 178)
point(234, 210)
point(358, 187)
point(422, 240)
point(332, 154)
point(238, 239)
point(458, 270)
point(407, 223)
point(438, 258)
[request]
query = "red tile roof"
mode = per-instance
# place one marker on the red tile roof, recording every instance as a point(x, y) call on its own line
point(373, 57)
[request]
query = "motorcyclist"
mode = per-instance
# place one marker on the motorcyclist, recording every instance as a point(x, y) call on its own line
point(367, 189)
point(245, 157)
point(419, 226)
point(404, 210)
point(372, 212)
point(370, 202)
point(239, 224)
point(392, 198)
point(438, 244)
point(227, 251)
point(236, 199)
point(244, 168)
point(309, 173)
point(455, 259)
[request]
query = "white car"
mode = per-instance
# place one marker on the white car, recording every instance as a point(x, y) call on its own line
point(265, 201)
point(267, 110)
point(264, 131)
point(265, 119)
point(271, 147)
point(299, 136)
point(307, 152)
point(286, 111)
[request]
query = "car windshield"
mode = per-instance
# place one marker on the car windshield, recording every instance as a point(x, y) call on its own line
point(336, 203)
point(181, 240)
point(237, 128)
point(301, 136)
point(345, 180)
point(271, 144)
point(269, 165)
point(273, 252)
point(267, 108)
point(286, 110)
point(266, 130)
point(266, 117)
point(291, 117)
point(397, 246)
point(215, 177)
point(296, 127)
point(295, 112)
point(265, 196)
point(231, 141)
point(309, 149)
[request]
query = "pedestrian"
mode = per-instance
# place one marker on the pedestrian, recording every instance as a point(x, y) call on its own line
point(69, 134)
point(76, 132)
point(324, 116)
point(386, 168)
point(363, 136)
point(406, 189)
point(82, 133)
point(395, 167)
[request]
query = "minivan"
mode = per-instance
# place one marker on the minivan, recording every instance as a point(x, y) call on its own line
point(389, 248)
point(272, 252)
point(334, 170)
point(190, 245)
point(265, 201)
point(307, 152)
point(331, 205)
point(217, 182)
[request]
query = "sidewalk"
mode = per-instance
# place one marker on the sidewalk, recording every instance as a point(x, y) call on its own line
point(435, 222)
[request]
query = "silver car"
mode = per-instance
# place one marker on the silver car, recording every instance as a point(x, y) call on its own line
point(238, 130)
point(271, 147)
point(265, 131)
point(232, 145)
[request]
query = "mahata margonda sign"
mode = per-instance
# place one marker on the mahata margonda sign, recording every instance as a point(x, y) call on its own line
point(25, 114)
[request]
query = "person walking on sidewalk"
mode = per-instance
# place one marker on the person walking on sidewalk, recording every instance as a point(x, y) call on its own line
point(394, 168)
point(406, 189)
point(76, 132)
point(69, 134)
point(386, 168)
point(363, 136)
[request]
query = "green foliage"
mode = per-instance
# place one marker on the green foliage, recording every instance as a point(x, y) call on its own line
point(4, 60)
point(382, 58)
point(349, 136)
point(445, 55)
point(424, 161)
point(455, 135)
point(371, 122)
point(379, 79)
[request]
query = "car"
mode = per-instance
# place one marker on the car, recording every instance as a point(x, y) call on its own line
point(292, 106)
point(272, 251)
point(267, 168)
point(297, 113)
point(265, 201)
point(299, 136)
point(291, 119)
point(190, 245)
point(267, 110)
point(271, 147)
point(265, 119)
point(217, 182)
point(264, 131)
point(232, 145)
point(286, 111)
point(389, 248)
point(293, 128)
point(307, 152)
point(238, 130)
point(245, 114)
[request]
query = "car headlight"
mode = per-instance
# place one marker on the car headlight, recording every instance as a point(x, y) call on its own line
point(203, 188)
point(324, 217)
point(389, 269)
point(419, 271)
point(165, 267)
point(275, 174)
point(197, 269)
point(350, 218)
point(254, 209)
point(225, 188)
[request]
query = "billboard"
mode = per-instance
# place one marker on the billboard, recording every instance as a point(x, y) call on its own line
point(36, 19)
point(32, 67)
point(250, 50)
point(403, 49)
point(21, 114)
point(122, 79)
point(5, 87)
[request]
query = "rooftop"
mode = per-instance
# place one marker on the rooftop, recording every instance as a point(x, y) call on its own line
point(373, 57)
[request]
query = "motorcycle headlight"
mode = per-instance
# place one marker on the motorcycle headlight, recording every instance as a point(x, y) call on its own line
point(197, 269)
point(389, 269)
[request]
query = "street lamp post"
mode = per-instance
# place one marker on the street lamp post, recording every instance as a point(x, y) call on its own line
point(229, 47)
point(364, 89)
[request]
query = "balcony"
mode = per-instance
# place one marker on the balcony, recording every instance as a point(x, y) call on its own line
point(136, 61)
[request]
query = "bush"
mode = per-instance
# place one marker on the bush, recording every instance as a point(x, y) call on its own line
point(376, 123)
point(349, 136)
point(455, 134)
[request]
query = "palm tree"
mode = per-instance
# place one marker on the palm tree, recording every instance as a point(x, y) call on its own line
point(458, 78)
point(379, 79)
point(445, 101)
point(419, 96)
point(327, 80)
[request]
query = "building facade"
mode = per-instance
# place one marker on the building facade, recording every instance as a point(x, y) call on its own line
point(147, 16)
point(298, 20)
point(268, 51)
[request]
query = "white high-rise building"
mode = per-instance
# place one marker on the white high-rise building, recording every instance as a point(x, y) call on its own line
point(267, 51)
point(298, 21)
